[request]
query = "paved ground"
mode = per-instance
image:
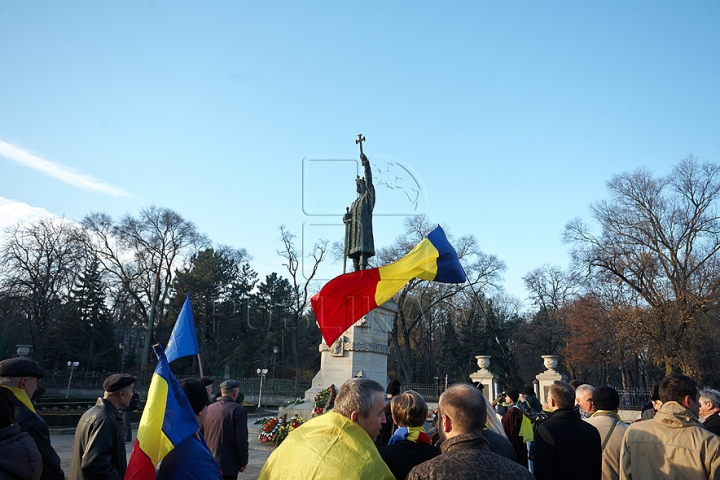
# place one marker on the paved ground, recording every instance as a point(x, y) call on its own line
point(62, 441)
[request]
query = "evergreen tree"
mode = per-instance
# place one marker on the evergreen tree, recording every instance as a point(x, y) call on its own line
point(84, 330)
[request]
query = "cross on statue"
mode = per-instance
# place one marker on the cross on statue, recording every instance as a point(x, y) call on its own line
point(359, 141)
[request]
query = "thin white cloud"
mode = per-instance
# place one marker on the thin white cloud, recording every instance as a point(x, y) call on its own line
point(13, 212)
point(59, 171)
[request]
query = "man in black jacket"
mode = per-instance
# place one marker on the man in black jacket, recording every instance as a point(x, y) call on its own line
point(464, 450)
point(98, 449)
point(566, 447)
point(20, 376)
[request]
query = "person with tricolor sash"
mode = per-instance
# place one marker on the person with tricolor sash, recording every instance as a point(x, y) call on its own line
point(410, 445)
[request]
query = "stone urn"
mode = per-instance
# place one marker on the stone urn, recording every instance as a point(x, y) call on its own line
point(483, 362)
point(551, 362)
point(23, 350)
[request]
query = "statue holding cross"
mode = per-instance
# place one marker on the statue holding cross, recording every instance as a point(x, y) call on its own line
point(359, 240)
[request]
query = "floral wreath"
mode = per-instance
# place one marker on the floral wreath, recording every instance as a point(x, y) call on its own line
point(324, 401)
point(268, 432)
point(276, 429)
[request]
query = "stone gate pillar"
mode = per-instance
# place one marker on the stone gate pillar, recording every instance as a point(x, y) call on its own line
point(486, 377)
point(547, 378)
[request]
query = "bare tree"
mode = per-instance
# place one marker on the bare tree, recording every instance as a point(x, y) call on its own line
point(419, 298)
point(660, 236)
point(39, 262)
point(142, 253)
point(294, 262)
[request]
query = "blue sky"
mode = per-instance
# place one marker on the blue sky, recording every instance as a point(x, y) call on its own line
point(502, 119)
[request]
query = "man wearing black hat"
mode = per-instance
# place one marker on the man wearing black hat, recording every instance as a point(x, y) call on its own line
point(511, 422)
point(99, 449)
point(20, 376)
point(225, 428)
point(611, 428)
point(191, 458)
point(207, 383)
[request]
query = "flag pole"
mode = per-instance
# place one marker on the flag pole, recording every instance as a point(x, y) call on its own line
point(200, 365)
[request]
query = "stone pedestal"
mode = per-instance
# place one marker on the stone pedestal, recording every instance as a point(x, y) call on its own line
point(486, 377)
point(361, 351)
point(547, 378)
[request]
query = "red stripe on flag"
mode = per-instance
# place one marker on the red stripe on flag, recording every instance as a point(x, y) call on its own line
point(140, 466)
point(343, 301)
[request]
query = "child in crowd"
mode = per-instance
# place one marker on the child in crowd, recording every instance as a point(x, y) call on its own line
point(409, 445)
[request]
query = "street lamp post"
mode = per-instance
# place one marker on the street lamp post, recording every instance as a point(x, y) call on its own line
point(121, 347)
point(262, 372)
point(72, 366)
point(276, 350)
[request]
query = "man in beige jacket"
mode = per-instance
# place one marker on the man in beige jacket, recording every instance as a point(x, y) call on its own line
point(612, 429)
point(673, 444)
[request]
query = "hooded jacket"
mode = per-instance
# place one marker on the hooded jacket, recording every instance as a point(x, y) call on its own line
point(32, 423)
point(672, 445)
point(19, 457)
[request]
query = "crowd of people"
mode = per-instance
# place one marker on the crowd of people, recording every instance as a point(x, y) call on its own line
point(577, 433)
point(378, 433)
point(218, 450)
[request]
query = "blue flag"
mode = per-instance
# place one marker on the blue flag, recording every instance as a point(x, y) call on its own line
point(183, 341)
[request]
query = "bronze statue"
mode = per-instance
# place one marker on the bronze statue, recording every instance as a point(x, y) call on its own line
point(359, 241)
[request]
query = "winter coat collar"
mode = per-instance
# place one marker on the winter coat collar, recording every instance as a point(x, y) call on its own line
point(674, 415)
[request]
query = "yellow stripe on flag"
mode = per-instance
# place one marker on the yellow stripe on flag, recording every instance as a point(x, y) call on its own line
point(150, 436)
point(420, 262)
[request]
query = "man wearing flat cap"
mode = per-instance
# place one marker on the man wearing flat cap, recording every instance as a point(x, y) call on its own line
point(225, 430)
point(20, 376)
point(99, 449)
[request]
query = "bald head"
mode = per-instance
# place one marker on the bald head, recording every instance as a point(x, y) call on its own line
point(465, 406)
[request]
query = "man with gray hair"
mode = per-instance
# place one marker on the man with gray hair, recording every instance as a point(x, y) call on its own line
point(20, 376)
point(337, 444)
point(225, 430)
point(584, 400)
point(464, 452)
point(99, 448)
point(709, 409)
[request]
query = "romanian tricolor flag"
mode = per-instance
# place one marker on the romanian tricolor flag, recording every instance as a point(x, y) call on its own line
point(345, 299)
point(167, 420)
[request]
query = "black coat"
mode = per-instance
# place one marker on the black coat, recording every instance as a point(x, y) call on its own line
point(566, 447)
point(402, 456)
point(99, 449)
point(35, 426)
point(712, 423)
